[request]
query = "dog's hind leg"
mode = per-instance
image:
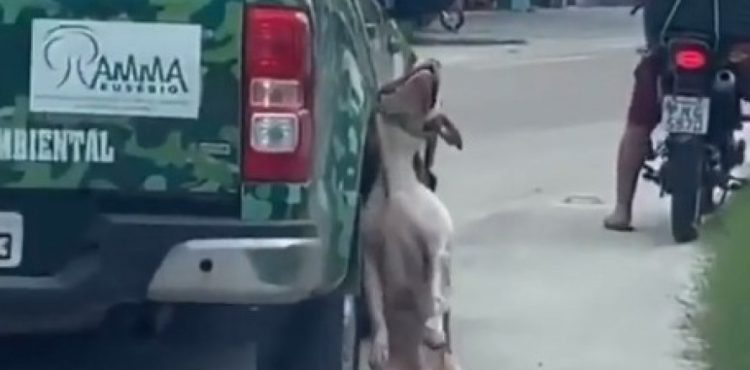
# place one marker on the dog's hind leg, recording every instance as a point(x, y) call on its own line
point(436, 333)
point(444, 290)
point(379, 352)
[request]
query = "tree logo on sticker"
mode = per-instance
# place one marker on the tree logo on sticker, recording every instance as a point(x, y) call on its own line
point(76, 54)
point(70, 49)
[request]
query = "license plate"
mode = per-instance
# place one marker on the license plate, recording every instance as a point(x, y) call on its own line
point(11, 239)
point(686, 114)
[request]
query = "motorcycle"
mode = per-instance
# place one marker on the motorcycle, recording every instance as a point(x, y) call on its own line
point(452, 18)
point(701, 114)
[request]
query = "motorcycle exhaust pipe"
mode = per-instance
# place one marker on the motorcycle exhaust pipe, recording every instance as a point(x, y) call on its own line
point(725, 81)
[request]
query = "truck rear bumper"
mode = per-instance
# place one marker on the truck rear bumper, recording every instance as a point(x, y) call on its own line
point(134, 258)
point(243, 270)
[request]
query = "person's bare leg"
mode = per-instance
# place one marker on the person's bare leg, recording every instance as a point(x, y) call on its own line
point(634, 146)
point(643, 116)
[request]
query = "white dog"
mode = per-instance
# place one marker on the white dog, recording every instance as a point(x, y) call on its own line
point(407, 231)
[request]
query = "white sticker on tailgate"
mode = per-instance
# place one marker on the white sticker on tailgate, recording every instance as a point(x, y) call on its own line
point(11, 239)
point(115, 68)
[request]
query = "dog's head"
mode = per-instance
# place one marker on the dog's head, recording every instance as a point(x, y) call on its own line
point(409, 103)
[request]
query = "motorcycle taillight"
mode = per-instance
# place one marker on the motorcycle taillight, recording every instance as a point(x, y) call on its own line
point(690, 59)
point(689, 66)
point(689, 55)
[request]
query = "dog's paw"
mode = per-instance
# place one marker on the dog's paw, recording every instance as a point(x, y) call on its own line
point(450, 361)
point(435, 338)
point(379, 353)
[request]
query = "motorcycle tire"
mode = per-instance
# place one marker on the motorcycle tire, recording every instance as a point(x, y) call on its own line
point(686, 182)
point(452, 27)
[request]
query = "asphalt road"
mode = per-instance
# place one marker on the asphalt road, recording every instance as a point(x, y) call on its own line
point(539, 283)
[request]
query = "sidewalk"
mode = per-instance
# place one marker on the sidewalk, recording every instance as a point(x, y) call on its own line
point(498, 27)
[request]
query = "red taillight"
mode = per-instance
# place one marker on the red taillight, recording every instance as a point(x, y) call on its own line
point(690, 59)
point(278, 124)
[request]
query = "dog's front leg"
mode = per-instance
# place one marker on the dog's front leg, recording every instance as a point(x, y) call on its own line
point(379, 353)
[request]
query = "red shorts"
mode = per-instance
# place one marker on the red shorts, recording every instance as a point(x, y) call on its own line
point(645, 107)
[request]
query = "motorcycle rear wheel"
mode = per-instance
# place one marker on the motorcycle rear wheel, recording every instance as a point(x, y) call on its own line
point(452, 25)
point(686, 183)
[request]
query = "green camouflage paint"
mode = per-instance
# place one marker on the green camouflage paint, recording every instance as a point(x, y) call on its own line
point(152, 154)
point(171, 155)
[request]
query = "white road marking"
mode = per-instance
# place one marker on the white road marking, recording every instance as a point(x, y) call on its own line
point(530, 62)
point(537, 52)
point(450, 58)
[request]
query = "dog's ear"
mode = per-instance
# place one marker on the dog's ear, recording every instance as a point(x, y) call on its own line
point(444, 127)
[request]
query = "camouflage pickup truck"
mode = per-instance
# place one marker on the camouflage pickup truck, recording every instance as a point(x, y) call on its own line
point(162, 154)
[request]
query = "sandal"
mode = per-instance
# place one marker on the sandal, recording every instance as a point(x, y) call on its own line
point(618, 227)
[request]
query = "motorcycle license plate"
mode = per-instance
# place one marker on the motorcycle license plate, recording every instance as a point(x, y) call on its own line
point(686, 114)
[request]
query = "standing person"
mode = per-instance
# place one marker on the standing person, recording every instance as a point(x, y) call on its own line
point(645, 110)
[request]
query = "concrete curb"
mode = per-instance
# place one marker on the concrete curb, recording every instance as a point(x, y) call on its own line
point(424, 39)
